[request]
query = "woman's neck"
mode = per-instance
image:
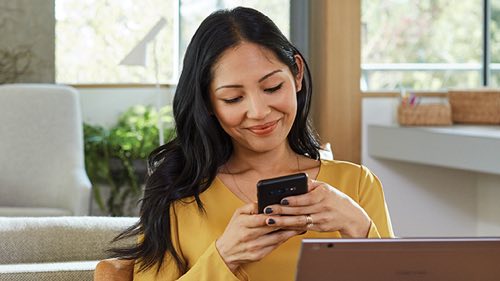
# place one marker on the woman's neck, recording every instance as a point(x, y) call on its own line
point(280, 161)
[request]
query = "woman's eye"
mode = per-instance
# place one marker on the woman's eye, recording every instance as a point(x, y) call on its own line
point(274, 89)
point(233, 100)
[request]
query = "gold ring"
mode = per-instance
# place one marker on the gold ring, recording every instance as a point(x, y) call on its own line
point(309, 221)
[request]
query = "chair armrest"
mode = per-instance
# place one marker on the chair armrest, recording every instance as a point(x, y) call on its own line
point(79, 196)
point(114, 270)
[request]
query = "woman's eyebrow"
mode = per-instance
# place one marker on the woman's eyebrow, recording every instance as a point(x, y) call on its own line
point(269, 74)
point(228, 86)
point(240, 86)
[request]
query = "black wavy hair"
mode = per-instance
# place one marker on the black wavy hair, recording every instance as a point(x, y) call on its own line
point(187, 165)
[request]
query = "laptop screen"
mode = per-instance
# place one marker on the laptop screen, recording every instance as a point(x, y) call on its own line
point(457, 259)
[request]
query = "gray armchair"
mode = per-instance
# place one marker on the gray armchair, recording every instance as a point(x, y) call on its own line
point(42, 170)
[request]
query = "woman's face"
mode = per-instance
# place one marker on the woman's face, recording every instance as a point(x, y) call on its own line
point(253, 96)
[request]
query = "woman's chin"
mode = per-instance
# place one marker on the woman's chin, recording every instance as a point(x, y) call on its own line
point(267, 145)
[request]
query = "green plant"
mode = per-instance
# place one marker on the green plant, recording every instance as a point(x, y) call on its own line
point(115, 158)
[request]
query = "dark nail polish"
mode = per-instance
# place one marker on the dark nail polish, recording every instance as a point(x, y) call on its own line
point(268, 210)
point(284, 202)
point(271, 221)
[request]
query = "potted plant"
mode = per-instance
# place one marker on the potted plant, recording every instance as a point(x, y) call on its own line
point(115, 158)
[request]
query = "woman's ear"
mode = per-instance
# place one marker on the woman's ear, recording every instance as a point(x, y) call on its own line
point(300, 72)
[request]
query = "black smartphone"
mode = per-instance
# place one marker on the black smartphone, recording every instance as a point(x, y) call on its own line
point(271, 191)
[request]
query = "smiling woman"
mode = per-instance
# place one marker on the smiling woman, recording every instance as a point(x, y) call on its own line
point(257, 109)
point(241, 111)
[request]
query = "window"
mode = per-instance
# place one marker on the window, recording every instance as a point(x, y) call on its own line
point(194, 11)
point(93, 36)
point(428, 44)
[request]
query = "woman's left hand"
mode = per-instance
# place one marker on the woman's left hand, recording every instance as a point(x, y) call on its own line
point(323, 209)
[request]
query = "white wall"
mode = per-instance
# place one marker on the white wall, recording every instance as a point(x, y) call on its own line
point(488, 205)
point(103, 105)
point(429, 200)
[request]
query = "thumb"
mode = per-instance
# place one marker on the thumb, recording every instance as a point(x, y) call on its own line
point(313, 184)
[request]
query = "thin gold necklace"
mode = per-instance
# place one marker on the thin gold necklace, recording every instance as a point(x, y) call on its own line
point(238, 187)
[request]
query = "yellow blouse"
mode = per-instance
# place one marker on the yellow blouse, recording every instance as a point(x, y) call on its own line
point(194, 233)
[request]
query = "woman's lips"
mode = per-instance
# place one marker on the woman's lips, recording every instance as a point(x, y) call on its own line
point(264, 129)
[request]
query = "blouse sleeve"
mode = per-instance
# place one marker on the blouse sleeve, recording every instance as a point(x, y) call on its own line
point(371, 199)
point(210, 266)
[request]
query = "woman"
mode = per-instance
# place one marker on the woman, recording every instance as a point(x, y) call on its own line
point(241, 110)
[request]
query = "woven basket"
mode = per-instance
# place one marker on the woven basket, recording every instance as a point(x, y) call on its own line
point(475, 106)
point(424, 115)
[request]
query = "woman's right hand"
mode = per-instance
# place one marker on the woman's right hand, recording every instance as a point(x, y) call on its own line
point(247, 237)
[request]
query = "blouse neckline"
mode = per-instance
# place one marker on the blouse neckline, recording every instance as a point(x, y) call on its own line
point(220, 184)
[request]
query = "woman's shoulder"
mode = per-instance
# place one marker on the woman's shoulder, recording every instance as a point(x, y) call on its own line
point(342, 170)
point(339, 164)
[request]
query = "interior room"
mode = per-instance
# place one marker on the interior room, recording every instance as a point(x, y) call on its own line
point(408, 89)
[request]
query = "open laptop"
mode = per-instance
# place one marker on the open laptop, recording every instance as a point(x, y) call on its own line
point(442, 259)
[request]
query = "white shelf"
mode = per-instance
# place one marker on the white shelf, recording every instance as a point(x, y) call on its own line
point(472, 148)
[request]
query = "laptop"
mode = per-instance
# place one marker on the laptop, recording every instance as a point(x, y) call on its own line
point(428, 259)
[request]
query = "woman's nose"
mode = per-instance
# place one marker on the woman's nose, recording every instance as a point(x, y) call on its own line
point(257, 107)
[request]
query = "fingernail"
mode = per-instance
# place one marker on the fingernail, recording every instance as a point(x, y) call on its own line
point(270, 221)
point(268, 210)
point(284, 202)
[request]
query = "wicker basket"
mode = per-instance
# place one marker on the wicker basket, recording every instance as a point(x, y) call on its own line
point(475, 106)
point(424, 115)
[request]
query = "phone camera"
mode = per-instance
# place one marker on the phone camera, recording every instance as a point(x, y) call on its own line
point(277, 191)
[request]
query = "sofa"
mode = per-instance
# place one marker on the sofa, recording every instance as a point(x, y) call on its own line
point(56, 248)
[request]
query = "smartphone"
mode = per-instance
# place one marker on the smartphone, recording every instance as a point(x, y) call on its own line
point(271, 191)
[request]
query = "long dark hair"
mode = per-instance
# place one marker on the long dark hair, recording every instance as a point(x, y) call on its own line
point(186, 166)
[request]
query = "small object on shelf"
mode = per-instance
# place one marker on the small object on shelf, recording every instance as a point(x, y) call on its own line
point(479, 106)
point(424, 115)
